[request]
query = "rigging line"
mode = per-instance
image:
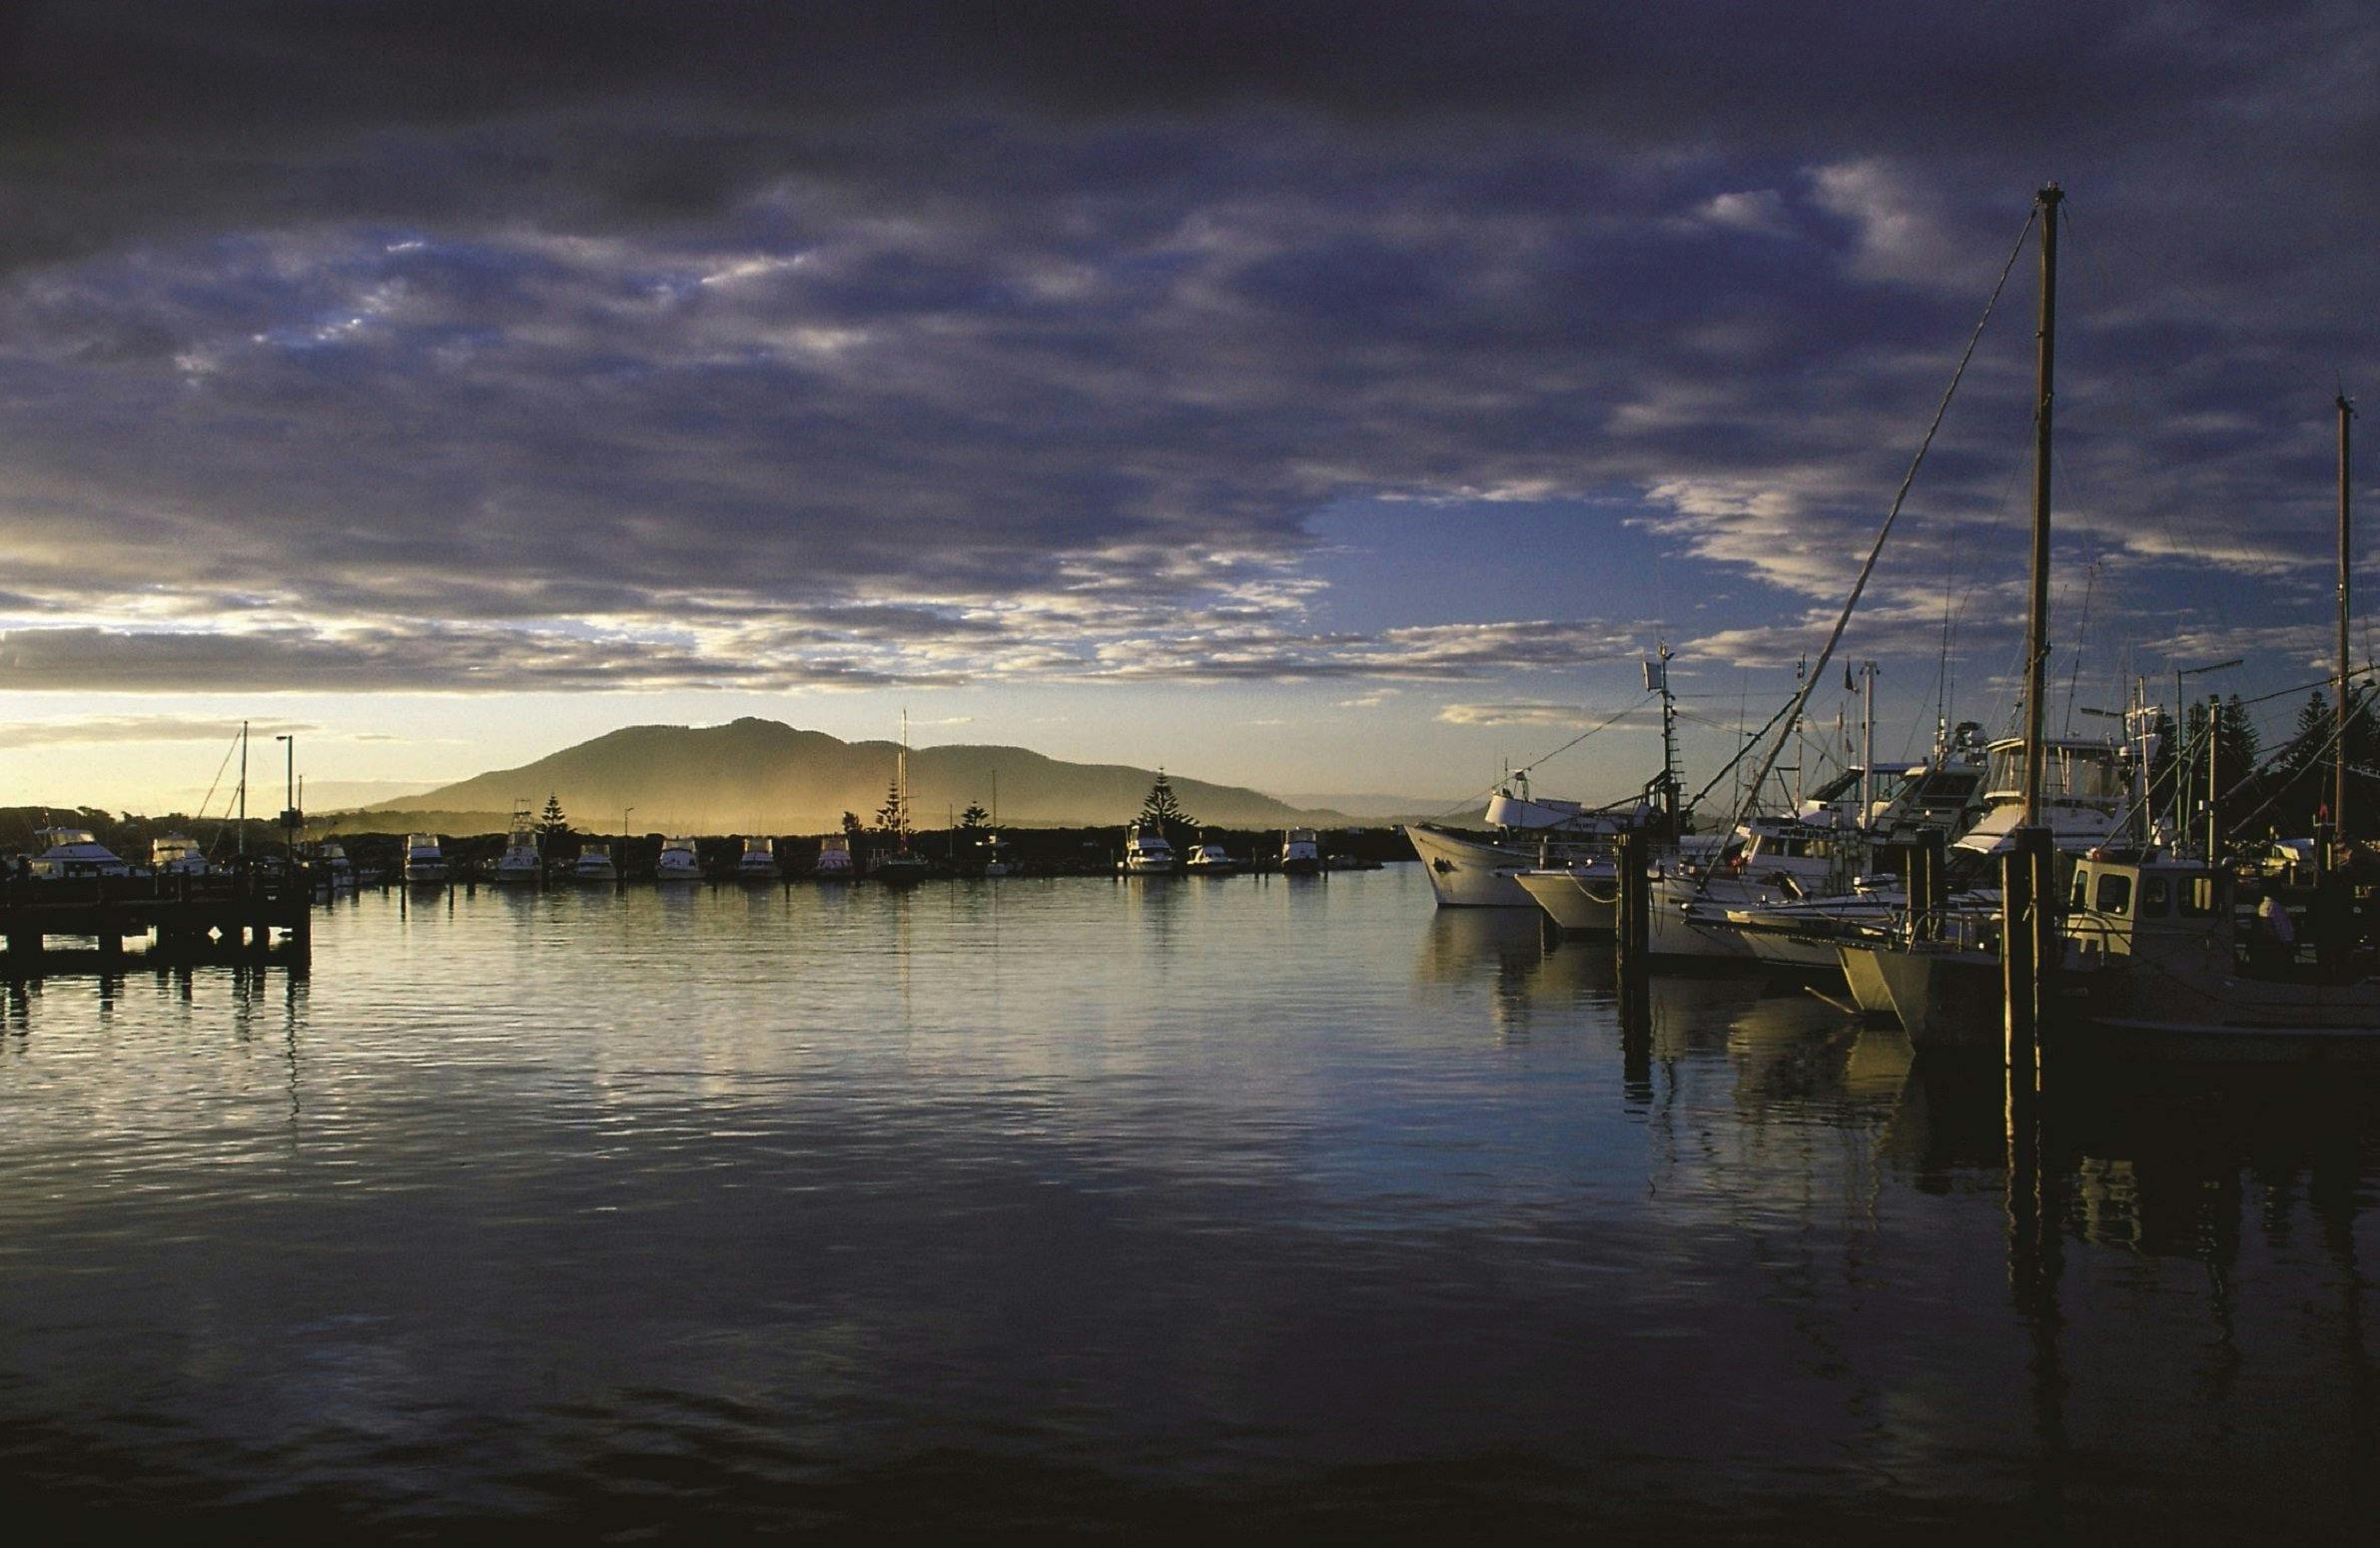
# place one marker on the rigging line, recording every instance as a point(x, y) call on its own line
point(218, 780)
point(1494, 786)
point(1729, 767)
point(1875, 551)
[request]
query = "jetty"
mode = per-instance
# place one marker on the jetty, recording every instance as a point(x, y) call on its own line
point(241, 917)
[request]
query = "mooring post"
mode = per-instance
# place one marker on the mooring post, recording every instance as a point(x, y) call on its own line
point(1633, 938)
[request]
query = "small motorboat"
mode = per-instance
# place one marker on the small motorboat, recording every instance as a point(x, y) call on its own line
point(834, 859)
point(1147, 852)
point(1209, 860)
point(594, 865)
point(1301, 853)
point(678, 862)
point(521, 865)
point(178, 854)
point(758, 862)
point(424, 860)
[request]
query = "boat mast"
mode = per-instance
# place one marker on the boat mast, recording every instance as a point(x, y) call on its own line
point(2338, 799)
point(242, 830)
point(1868, 748)
point(901, 787)
point(2026, 869)
point(2037, 624)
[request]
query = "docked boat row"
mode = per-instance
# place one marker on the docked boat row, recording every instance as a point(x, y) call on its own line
point(1147, 852)
point(2037, 866)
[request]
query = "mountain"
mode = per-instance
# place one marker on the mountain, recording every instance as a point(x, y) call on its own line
point(762, 776)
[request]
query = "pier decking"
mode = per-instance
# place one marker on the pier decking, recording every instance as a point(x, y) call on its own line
point(178, 917)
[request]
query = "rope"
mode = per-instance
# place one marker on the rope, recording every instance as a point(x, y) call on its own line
point(1875, 551)
point(1465, 803)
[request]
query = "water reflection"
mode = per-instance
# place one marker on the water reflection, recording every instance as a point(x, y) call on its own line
point(1008, 1208)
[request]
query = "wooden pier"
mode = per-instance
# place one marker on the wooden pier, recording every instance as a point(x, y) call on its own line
point(178, 919)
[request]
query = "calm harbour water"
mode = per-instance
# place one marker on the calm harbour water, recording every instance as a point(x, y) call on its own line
point(1252, 1208)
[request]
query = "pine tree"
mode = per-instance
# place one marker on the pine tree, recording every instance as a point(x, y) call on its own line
point(892, 818)
point(852, 826)
point(1163, 812)
point(974, 817)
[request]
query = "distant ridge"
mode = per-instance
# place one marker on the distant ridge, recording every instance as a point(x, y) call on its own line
point(764, 776)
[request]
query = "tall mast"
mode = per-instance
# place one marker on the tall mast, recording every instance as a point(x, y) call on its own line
point(2338, 799)
point(243, 829)
point(2037, 624)
point(1868, 749)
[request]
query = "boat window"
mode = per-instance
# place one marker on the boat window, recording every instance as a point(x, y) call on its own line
point(2080, 899)
point(2156, 895)
point(2197, 897)
point(2115, 893)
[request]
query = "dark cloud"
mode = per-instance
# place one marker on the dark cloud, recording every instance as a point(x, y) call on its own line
point(992, 338)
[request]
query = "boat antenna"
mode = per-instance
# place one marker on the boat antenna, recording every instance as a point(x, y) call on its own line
point(2338, 800)
point(1875, 551)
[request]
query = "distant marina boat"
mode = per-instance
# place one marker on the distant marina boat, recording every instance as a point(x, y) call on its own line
point(834, 859)
point(424, 860)
point(758, 862)
point(679, 863)
point(1210, 860)
point(1301, 853)
point(333, 862)
point(996, 857)
point(521, 865)
point(594, 864)
point(901, 867)
point(75, 854)
point(178, 854)
point(1147, 852)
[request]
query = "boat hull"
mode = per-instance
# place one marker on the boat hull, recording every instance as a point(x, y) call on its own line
point(1945, 996)
point(1578, 902)
point(1467, 874)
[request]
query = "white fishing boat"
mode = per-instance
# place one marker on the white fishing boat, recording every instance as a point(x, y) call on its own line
point(679, 862)
point(1301, 853)
point(834, 859)
point(178, 854)
point(521, 864)
point(331, 862)
point(74, 854)
point(1209, 859)
point(424, 859)
point(594, 865)
point(1147, 851)
point(758, 862)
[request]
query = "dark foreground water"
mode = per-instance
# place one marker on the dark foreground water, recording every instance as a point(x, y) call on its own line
point(1040, 1208)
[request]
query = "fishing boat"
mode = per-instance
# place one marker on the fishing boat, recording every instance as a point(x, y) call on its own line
point(1301, 853)
point(679, 862)
point(758, 862)
point(424, 860)
point(1469, 870)
point(834, 859)
point(74, 854)
point(1209, 859)
point(1147, 851)
point(594, 865)
point(521, 864)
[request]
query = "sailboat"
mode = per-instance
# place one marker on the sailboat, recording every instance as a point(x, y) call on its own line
point(903, 865)
point(996, 857)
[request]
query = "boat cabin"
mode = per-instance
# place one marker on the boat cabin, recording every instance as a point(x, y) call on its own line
point(2119, 907)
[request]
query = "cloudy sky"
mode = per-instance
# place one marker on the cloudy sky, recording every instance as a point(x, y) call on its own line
point(1329, 398)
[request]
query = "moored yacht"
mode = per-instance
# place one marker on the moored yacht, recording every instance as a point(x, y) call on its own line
point(834, 859)
point(331, 862)
point(1209, 860)
point(74, 854)
point(178, 854)
point(1147, 852)
point(1475, 871)
point(1301, 852)
point(594, 864)
point(521, 865)
point(424, 860)
point(679, 862)
point(758, 862)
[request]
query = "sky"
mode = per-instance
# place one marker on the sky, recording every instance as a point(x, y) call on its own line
point(1329, 399)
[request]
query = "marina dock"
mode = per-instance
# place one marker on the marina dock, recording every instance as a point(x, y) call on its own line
point(175, 919)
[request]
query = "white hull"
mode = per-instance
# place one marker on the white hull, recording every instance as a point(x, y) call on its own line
point(1467, 874)
point(1579, 902)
